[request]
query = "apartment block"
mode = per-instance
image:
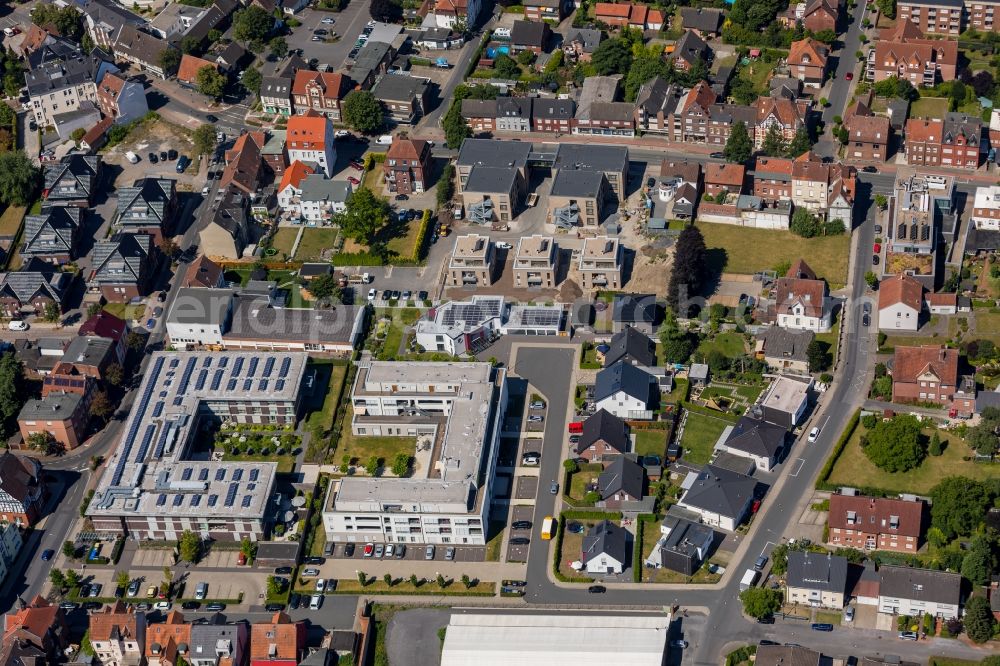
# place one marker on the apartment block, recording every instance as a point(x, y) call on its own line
point(536, 262)
point(600, 264)
point(473, 261)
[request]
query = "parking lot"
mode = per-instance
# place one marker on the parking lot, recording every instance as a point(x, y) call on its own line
point(347, 24)
point(416, 551)
point(519, 552)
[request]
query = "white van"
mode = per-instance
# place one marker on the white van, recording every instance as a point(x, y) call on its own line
point(201, 591)
point(315, 601)
point(384, 140)
point(132, 157)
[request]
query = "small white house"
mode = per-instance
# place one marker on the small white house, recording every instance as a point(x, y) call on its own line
point(900, 300)
point(626, 391)
point(605, 549)
point(321, 199)
point(909, 591)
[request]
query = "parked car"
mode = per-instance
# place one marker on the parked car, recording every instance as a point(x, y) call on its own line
point(17, 325)
point(878, 228)
point(311, 571)
point(153, 158)
point(536, 418)
point(813, 434)
point(407, 295)
point(329, 548)
point(849, 614)
point(171, 154)
point(353, 181)
point(369, 550)
point(678, 643)
point(320, 585)
point(537, 404)
point(163, 606)
point(349, 550)
point(503, 245)
point(47, 555)
point(133, 588)
point(574, 439)
point(328, 21)
point(390, 550)
point(429, 552)
point(449, 553)
point(908, 635)
point(163, 156)
point(379, 550)
point(849, 76)
point(191, 605)
point(274, 608)
point(874, 260)
point(876, 248)
point(520, 541)
point(314, 560)
point(400, 551)
point(597, 589)
point(760, 563)
point(822, 626)
point(576, 528)
point(69, 605)
point(718, 156)
point(521, 525)
point(530, 459)
point(870, 169)
point(315, 601)
point(554, 488)
point(283, 571)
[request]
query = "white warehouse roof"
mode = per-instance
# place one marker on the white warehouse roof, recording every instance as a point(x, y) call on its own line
point(573, 640)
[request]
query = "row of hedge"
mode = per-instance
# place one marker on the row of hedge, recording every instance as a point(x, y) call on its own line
point(578, 514)
point(640, 528)
point(852, 425)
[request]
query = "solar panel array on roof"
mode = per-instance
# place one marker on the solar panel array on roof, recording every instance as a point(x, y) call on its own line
point(254, 474)
point(158, 409)
point(231, 494)
point(477, 312)
point(147, 439)
point(195, 500)
point(200, 384)
point(237, 474)
point(263, 385)
point(247, 499)
point(186, 474)
point(247, 383)
point(161, 500)
point(178, 499)
point(217, 379)
point(220, 474)
point(174, 362)
point(232, 385)
point(286, 364)
point(203, 474)
point(186, 377)
point(279, 385)
point(541, 317)
point(224, 361)
point(161, 442)
point(268, 366)
point(207, 363)
point(253, 366)
point(213, 500)
point(238, 366)
point(178, 401)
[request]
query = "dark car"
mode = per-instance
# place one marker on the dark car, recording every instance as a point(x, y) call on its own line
point(651, 461)
point(870, 169)
point(33, 126)
point(161, 297)
point(274, 608)
point(875, 260)
point(283, 571)
point(215, 607)
point(153, 158)
point(314, 560)
point(576, 528)
point(402, 197)
point(190, 605)
point(650, 182)
point(349, 550)
point(151, 324)
point(293, 601)
point(163, 155)
point(47, 554)
point(597, 589)
point(171, 154)
point(422, 295)
point(717, 156)
point(212, 119)
point(520, 541)
point(521, 524)
point(84, 591)
point(400, 551)
point(182, 163)
point(866, 320)
point(822, 626)
point(760, 563)
point(143, 606)
point(767, 619)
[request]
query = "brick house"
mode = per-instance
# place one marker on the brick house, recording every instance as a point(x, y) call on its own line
point(821, 15)
point(955, 141)
point(940, 17)
point(904, 52)
point(63, 415)
point(320, 91)
point(22, 493)
point(122, 266)
point(875, 523)
point(786, 114)
point(772, 178)
point(407, 165)
point(868, 134)
point(724, 178)
point(807, 61)
point(604, 435)
point(148, 206)
point(480, 114)
point(924, 374)
point(33, 288)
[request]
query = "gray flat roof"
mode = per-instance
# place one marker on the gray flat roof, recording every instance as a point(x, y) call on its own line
point(591, 157)
point(490, 179)
point(197, 305)
point(573, 183)
point(493, 152)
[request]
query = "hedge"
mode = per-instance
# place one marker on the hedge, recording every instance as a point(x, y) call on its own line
point(474, 60)
point(640, 527)
point(838, 448)
point(740, 655)
point(116, 551)
point(560, 530)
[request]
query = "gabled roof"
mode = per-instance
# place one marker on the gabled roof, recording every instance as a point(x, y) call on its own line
point(278, 639)
point(962, 129)
point(942, 587)
point(631, 345)
point(720, 491)
point(808, 52)
point(786, 655)
point(308, 132)
point(479, 108)
point(34, 621)
point(605, 538)
point(36, 279)
point(924, 130)
point(334, 86)
point(730, 175)
point(529, 33)
point(76, 172)
point(817, 571)
point(773, 168)
point(551, 109)
point(877, 515)
point(115, 622)
point(20, 477)
point(758, 438)
point(691, 48)
point(403, 148)
point(809, 292)
point(203, 273)
point(634, 308)
point(910, 363)
point(701, 18)
point(243, 170)
point(514, 107)
point(791, 113)
point(104, 325)
point(622, 475)
point(53, 231)
point(190, 65)
point(122, 258)
point(627, 379)
point(606, 427)
point(146, 201)
point(786, 344)
point(900, 289)
point(141, 46)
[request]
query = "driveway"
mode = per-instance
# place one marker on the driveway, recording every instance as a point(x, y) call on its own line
point(412, 638)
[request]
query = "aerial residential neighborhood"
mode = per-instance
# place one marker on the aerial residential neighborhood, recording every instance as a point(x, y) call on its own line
point(385, 332)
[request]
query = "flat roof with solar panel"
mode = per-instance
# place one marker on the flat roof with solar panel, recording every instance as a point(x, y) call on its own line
point(152, 471)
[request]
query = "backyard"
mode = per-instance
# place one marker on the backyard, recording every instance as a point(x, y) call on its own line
point(650, 535)
point(731, 345)
point(283, 240)
point(585, 476)
point(854, 469)
point(701, 432)
point(650, 442)
point(390, 327)
point(314, 242)
point(732, 398)
point(929, 107)
point(321, 406)
point(572, 548)
point(399, 237)
point(745, 250)
point(288, 280)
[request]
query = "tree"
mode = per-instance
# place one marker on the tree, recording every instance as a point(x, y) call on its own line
point(12, 395)
point(214, 35)
point(414, 580)
point(252, 23)
point(526, 57)
point(169, 59)
point(204, 139)
point(957, 94)
point(894, 86)
point(446, 185)
point(688, 270)
point(979, 560)
point(983, 84)
point(888, 8)
point(506, 67)
point(249, 549)
point(72, 579)
point(800, 143)
point(647, 66)
point(959, 505)
point(612, 56)
point(982, 437)
point(387, 578)
point(362, 578)
point(372, 465)
point(252, 79)
point(979, 622)
point(123, 579)
point(739, 146)
point(881, 201)
point(774, 142)
point(273, 587)
point(278, 47)
point(677, 344)
point(324, 286)
point(466, 581)
point(819, 358)
point(759, 602)
point(114, 374)
point(455, 128)
point(100, 405)
point(66, 20)
point(135, 341)
point(69, 550)
point(871, 279)
point(19, 178)
point(57, 578)
point(401, 464)
point(935, 448)
point(364, 216)
point(363, 112)
point(44, 443)
point(804, 223)
point(189, 547)
point(386, 11)
point(191, 45)
point(440, 581)
point(52, 312)
point(896, 445)
point(210, 82)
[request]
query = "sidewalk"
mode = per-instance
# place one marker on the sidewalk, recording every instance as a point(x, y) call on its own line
point(348, 569)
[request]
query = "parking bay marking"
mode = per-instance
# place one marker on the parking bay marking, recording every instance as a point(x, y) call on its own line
point(801, 462)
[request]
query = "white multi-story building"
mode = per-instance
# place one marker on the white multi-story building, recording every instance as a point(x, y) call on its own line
point(909, 591)
point(986, 208)
point(460, 327)
point(309, 139)
point(453, 412)
point(10, 546)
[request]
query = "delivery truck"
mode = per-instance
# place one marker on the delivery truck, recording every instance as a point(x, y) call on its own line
point(749, 578)
point(548, 527)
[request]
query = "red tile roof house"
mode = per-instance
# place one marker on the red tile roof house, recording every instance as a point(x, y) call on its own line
point(279, 642)
point(868, 134)
point(905, 53)
point(876, 523)
point(106, 325)
point(41, 625)
point(407, 165)
point(788, 115)
point(821, 15)
point(900, 300)
point(924, 374)
point(807, 61)
point(955, 141)
point(772, 178)
point(721, 178)
point(320, 91)
point(187, 71)
point(622, 14)
point(802, 301)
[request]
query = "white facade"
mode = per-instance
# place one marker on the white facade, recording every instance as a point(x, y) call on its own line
point(46, 105)
point(325, 158)
point(289, 200)
point(986, 208)
point(604, 564)
point(898, 317)
point(799, 321)
point(622, 405)
point(901, 606)
point(711, 518)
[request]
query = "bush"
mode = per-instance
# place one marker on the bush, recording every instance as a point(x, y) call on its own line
point(821, 481)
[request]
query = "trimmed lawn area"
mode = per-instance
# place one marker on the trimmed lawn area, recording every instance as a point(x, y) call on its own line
point(650, 535)
point(284, 239)
point(321, 406)
point(832, 338)
point(285, 463)
point(360, 448)
point(125, 311)
point(740, 396)
point(854, 469)
point(758, 73)
point(497, 530)
point(744, 250)
point(402, 585)
point(987, 326)
point(929, 107)
point(10, 221)
point(650, 442)
point(730, 344)
point(701, 432)
point(829, 617)
point(405, 238)
point(588, 359)
point(679, 393)
point(584, 477)
point(315, 241)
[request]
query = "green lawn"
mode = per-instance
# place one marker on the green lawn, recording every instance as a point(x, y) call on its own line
point(285, 463)
point(650, 535)
point(929, 107)
point(680, 392)
point(320, 414)
point(731, 345)
point(10, 221)
point(832, 338)
point(588, 358)
point(360, 448)
point(405, 238)
point(701, 432)
point(650, 442)
point(987, 326)
point(586, 475)
point(757, 72)
point(744, 250)
point(315, 241)
point(854, 469)
point(125, 311)
point(283, 240)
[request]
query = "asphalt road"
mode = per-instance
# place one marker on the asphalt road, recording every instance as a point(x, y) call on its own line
point(846, 62)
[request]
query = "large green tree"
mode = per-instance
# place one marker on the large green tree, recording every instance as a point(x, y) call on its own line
point(506, 67)
point(204, 139)
point(252, 23)
point(688, 270)
point(983, 437)
point(189, 547)
point(66, 20)
point(363, 112)
point(819, 357)
point(19, 178)
point(979, 622)
point(278, 47)
point(645, 67)
point(799, 144)
point(888, 8)
point(612, 56)
point(739, 145)
point(210, 82)
point(169, 59)
point(252, 79)
point(365, 215)
point(980, 560)
point(760, 602)
point(677, 344)
point(958, 505)
point(896, 445)
point(12, 393)
point(774, 142)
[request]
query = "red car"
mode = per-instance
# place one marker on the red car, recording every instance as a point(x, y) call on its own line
point(849, 76)
point(876, 248)
point(353, 181)
point(369, 549)
point(358, 166)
